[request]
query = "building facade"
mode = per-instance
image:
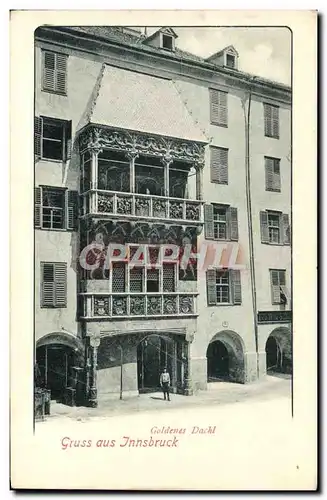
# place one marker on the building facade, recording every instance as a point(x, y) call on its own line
point(162, 215)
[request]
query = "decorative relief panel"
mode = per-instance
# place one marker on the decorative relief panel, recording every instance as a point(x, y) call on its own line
point(172, 149)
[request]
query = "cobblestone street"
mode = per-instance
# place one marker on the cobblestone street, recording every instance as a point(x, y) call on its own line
point(219, 393)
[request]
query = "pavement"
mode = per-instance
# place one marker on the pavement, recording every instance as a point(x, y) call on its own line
point(218, 393)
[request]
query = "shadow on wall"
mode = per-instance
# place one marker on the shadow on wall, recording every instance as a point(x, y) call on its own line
point(111, 351)
point(225, 357)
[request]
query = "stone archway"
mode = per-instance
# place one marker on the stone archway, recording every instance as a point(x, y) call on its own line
point(154, 352)
point(59, 366)
point(279, 351)
point(225, 358)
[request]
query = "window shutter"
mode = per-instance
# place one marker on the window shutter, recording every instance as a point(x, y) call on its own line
point(37, 207)
point(275, 287)
point(72, 210)
point(218, 107)
point(269, 164)
point(38, 127)
point(60, 284)
point(208, 222)
point(264, 227)
point(276, 183)
point(268, 119)
point(211, 287)
point(68, 140)
point(275, 121)
point(48, 285)
point(233, 224)
point(286, 229)
point(61, 73)
point(219, 165)
point(49, 71)
point(236, 286)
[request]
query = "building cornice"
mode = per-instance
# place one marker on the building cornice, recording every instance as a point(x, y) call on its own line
point(67, 37)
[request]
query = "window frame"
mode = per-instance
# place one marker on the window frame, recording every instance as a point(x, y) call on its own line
point(278, 215)
point(220, 150)
point(63, 125)
point(223, 286)
point(70, 211)
point(281, 272)
point(275, 161)
point(220, 95)
point(228, 55)
point(63, 193)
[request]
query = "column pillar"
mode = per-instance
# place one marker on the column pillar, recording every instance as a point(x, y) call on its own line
point(188, 390)
point(132, 157)
point(93, 394)
point(94, 176)
point(199, 181)
point(166, 160)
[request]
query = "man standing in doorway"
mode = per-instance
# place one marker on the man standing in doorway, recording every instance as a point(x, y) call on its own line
point(165, 383)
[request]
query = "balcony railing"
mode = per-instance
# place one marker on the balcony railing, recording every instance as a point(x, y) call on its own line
point(141, 206)
point(138, 305)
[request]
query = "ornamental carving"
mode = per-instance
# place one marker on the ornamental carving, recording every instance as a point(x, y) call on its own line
point(94, 137)
point(186, 305)
point(124, 205)
point(105, 203)
point(176, 210)
point(170, 305)
point(142, 206)
point(137, 305)
point(119, 306)
point(101, 306)
point(192, 211)
point(154, 305)
point(159, 208)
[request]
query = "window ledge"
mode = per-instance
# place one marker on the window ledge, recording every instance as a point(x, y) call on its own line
point(223, 305)
point(215, 124)
point(52, 160)
point(48, 91)
point(220, 183)
point(272, 136)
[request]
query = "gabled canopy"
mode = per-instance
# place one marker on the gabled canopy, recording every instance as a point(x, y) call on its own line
point(165, 30)
point(230, 49)
point(138, 102)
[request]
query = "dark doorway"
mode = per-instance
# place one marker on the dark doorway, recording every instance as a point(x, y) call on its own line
point(218, 361)
point(273, 355)
point(55, 364)
point(153, 354)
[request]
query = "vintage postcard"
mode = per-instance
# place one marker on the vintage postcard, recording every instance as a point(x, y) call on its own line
point(163, 330)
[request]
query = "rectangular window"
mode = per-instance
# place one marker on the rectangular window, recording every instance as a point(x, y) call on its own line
point(54, 72)
point(224, 287)
point(167, 42)
point(219, 165)
point(271, 118)
point(168, 277)
point(272, 170)
point(230, 61)
point(118, 277)
point(152, 280)
point(220, 222)
point(55, 208)
point(275, 228)
point(278, 286)
point(52, 138)
point(53, 284)
point(219, 107)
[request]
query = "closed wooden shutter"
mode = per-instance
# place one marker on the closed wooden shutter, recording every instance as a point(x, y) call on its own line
point(49, 71)
point(219, 165)
point(275, 121)
point(208, 222)
point(68, 140)
point(233, 223)
point(264, 227)
point(269, 167)
point(268, 119)
point(219, 107)
point(48, 285)
point(286, 229)
point(276, 180)
point(61, 73)
point(236, 286)
point(38, 132)
point(275, 286)
point(72, 210)
point(211, 287)
point(60, 284)
point(54, 72)
point(37, 207)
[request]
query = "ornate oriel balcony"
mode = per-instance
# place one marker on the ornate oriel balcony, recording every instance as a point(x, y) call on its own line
point(135, 176)
point(134, 305)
